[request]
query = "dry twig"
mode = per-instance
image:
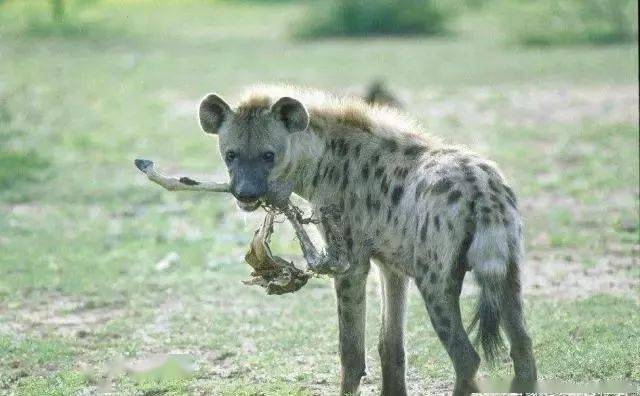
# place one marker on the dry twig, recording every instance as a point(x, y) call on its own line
point(178, 184)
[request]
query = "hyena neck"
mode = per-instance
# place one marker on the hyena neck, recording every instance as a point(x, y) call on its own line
point(306, 154)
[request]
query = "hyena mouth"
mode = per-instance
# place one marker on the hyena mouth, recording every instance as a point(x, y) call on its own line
point(248, 206)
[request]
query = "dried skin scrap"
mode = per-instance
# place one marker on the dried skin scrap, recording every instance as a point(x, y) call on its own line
point(279, 276)
point(273, 273)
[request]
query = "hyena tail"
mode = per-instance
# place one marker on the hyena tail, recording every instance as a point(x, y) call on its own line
point(488, 257)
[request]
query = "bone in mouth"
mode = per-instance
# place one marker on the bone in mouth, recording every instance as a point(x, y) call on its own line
point(271, 272)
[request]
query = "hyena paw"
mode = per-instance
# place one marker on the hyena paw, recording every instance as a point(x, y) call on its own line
point(328, 264)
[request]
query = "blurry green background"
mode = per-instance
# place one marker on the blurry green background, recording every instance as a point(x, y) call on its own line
point(101, 272)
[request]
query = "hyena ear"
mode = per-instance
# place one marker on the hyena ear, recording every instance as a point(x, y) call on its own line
point(213, 112)
point(292, 113)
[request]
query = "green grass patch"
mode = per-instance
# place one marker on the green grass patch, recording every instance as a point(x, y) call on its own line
point(32, 351)
point(34, 366)
point(597, 338)
point(60, 384)
point(549, 22)
point(19, 165)
point(19, 168)
point(374, 17)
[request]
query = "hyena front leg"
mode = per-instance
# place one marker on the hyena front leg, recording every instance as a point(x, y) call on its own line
point(351, 292)
point(335, 259)
point(391, 343)
point(441, 293)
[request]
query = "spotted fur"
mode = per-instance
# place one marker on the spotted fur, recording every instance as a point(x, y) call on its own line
point(420, 210)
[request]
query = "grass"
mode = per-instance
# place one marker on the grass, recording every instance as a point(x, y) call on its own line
point(81, 230)
point(571, 22)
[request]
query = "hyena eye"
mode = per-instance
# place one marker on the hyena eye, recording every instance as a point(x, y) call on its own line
point(268, 156)
point(229, 156)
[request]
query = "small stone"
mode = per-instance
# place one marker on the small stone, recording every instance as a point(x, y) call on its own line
point(167, 261)
point(82, 333)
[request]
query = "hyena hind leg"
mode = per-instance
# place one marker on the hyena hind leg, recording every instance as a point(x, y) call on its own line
point(441, 297)
point(513, 323)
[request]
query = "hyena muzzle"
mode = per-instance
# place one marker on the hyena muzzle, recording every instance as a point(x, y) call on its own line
point(417, 208)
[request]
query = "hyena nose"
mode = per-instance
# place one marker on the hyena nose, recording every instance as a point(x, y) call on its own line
point(247, 194)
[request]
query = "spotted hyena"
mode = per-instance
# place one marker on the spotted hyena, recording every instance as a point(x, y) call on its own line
point(417, 208)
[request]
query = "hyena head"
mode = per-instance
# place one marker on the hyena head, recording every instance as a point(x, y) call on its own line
point(253, 141)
